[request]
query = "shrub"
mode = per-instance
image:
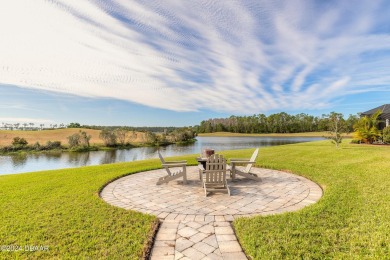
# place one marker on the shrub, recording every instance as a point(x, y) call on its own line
point(19, 141)
point(355, 141)
point(386, 135)
point(109, 137)
point(84, 139)
point(366, 128)
point(37, 146)
point(79, 139)
point(53, 145)
point(74, 140)
point(121, 135)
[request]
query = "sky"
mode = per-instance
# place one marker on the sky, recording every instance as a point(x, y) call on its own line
point(176, 63)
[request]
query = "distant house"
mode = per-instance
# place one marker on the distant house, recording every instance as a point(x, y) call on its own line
point(384, 117)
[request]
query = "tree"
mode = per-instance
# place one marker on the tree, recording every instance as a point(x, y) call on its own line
point(108, 137)
point(337, 126)
point(74, 140)
point(351, 121)
point(79, 139)
point(151, 138)
point(121, 135)
point(74, 125)
point(366, 129)
point(84, 138)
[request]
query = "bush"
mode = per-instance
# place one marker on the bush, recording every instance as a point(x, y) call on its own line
point(366, 128)
point(19, 141)
point(84, 139)
point(109, 137)
point(53, 145)
point(355, 141)
point(37, 146)
point(386, 135)
point(74, 140)
point(79, 139)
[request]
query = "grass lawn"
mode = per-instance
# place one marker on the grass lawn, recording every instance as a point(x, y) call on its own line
point(61, 209)
point(307, 134)
point(351, 221)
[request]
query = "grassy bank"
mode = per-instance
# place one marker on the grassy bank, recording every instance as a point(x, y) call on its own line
point(61, 209)
point(307, 134)
point(351, 221)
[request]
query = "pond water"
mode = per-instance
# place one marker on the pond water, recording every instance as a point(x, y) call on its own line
point(48, 161)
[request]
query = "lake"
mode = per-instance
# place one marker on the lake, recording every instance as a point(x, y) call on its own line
point(49, 161)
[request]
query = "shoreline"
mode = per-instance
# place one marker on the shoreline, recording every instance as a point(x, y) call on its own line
point(307, 134)
point(92, 148)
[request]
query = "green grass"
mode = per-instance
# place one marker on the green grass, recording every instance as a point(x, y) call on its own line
point(61, 209)
point(351, 221)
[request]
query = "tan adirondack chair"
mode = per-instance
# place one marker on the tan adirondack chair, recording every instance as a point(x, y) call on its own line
point(214, 176)
point(172, 175)
point(244, 172)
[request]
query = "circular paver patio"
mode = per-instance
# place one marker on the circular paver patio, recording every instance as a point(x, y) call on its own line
point(277, 192)
point(198, 227)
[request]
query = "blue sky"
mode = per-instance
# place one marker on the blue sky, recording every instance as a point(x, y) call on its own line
point(154, 63)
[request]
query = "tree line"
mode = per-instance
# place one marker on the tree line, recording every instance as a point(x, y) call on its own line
point(154, 129)
point(274, 123)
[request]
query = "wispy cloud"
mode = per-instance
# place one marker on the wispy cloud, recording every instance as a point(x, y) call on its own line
point(228, 56)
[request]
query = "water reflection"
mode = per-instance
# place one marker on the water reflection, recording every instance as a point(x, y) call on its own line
point(109, 157)
point(19, 159)
point(36, 162)
point(79, 159)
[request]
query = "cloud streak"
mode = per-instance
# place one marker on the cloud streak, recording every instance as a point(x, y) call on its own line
point(227, 56)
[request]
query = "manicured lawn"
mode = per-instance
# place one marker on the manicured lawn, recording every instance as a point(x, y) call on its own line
point(351, 221)
point(61, 209)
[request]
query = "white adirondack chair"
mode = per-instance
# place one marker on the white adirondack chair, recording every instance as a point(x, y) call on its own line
point(214, 176)
point(244, 172)
point(172, 175)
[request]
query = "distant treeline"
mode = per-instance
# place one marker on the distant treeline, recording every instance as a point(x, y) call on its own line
point(275, 123)
point(154, 129)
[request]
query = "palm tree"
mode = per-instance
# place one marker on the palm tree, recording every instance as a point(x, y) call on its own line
point(366, 128)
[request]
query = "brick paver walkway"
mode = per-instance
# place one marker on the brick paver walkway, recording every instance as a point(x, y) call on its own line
point(198, 227)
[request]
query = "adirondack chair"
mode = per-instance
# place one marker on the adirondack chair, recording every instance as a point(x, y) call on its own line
point(246, 171)
point(214, 176)
point(172, 175)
